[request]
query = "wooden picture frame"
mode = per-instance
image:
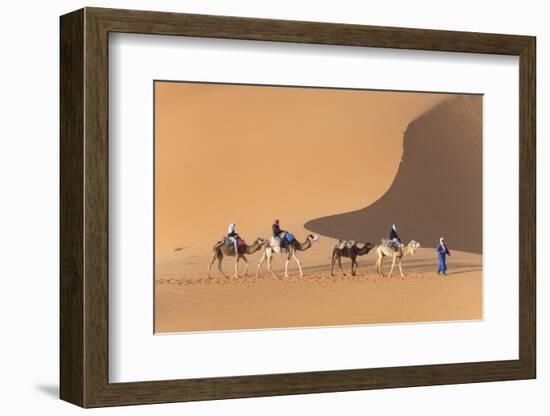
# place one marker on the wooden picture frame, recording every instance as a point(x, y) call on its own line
point(84, 207)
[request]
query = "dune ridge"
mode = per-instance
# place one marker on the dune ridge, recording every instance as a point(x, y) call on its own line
point(437, 190)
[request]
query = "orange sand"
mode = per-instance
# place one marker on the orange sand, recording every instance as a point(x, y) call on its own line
point(246, 154)
point(200, 304)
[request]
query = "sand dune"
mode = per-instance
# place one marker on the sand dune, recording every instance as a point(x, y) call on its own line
point(249, 154)
point(438, 188)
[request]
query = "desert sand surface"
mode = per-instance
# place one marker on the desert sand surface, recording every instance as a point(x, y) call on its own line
point(196, 303)
point(245, 154)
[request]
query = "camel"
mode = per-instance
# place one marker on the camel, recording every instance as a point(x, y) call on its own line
point(351, 250)
point(221, 250)
point(403, 251)
point(290, 248)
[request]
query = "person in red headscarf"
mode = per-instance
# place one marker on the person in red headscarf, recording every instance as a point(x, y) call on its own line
point(276, 230)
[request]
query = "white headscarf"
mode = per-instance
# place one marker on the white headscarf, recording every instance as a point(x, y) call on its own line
point(394, 227)
point(441, 241)
point(231, 228)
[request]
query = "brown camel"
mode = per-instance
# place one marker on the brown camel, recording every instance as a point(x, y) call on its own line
point(351, 251)
point(289, 249)
point(221, 250)
point(396, 254)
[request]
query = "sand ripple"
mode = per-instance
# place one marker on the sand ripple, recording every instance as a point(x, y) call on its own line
point(416, 273)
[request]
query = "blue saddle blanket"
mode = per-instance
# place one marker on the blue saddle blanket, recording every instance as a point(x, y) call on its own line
point(289, 237)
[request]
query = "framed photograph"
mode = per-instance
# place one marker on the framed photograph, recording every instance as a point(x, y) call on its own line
point(254, 207)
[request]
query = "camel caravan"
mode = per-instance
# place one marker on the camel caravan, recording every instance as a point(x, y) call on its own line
point(281, 242)
point(285, 243)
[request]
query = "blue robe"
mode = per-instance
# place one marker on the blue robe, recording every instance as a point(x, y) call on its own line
point(442, 252)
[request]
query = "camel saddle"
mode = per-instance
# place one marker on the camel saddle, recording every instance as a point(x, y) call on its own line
point(273, 242)
point(228, 242)
point(389, 243)
point(288, 237)
point(341, 244)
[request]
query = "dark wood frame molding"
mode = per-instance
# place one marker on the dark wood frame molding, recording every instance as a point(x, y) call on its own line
point(84, 207)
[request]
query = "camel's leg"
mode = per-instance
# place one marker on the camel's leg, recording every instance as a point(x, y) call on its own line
point(260, 264)
point(214, 255)
point(269, 265)
point(299, 263)
point(237, 256)
point(220, 258)
point(236, 275)
point(354, 266)
point(400, 268)
point(236, 268)
point(332, 264)
point(379, 266)
point(340, 265)
point(392, 265)
point(286, 264)
point(246, 267)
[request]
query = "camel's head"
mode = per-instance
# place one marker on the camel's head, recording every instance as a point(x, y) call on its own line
point(414, 244)
point(312, 237)
point(370, 246)
point(261, 241)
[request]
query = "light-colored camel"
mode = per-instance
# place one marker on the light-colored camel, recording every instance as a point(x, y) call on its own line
point(221, 250)
point(289, 249)
point(350, 250)
point(403, 251)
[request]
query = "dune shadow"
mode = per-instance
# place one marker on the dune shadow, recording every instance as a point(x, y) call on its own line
point(437, 190)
